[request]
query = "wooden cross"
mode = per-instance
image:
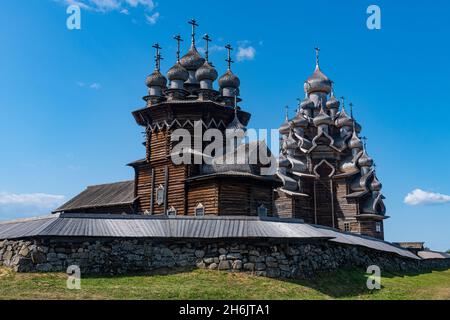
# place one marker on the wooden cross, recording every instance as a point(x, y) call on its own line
point(178, 39)
point(343, 102)
point(317, 55)
point(194, 24)
point(287, 112)
point(365, 141)
point(351, 110)
point(229, 60)
point(158, 57)
point(207, 40)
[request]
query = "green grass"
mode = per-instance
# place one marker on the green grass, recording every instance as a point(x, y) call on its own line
point(205, 284)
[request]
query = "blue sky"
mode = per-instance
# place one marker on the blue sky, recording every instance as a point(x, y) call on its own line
point(66, 95)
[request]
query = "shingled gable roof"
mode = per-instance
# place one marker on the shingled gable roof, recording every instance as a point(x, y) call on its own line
point(102, 195)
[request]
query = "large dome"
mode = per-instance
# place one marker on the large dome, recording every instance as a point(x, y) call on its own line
point(318, 82)
point(192, 59)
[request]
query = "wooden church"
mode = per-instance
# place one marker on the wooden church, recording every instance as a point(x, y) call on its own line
point(324, 175)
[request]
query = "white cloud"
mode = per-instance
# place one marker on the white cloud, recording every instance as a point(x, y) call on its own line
point(246, 53)
point(153, 18)
point(418, 196)
point(110, 5)
point(95, 86)
point(14, 205)
point(212, 49)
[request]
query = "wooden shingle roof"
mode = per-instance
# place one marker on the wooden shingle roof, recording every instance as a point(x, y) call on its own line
point(102, 195)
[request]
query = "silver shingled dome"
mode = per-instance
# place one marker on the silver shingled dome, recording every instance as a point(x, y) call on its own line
point(322, 118)
point(318, 82)
point(343, 119)
point(229, 80)
point(192, 60)
point(333, 103)
point(206, 72)
point(365, 160)
point(178, 72)
point(156, 79)
point(355, 142)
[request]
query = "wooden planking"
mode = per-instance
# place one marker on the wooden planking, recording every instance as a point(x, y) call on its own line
point(205, 193)
point(344, 207)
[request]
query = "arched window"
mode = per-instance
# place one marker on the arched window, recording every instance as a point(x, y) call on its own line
point(200, 210)
point(160, 195)
point(262, 211)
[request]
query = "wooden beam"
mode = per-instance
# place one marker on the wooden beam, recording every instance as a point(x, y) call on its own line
point(152, 192)
point(166, 186)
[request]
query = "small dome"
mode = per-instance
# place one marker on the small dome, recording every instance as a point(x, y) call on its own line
point(355, 142)
point(322, 118)
point(236, 124)
point(375, 185)
point(333, 103)
point(343, 119)
point(318, 82)
point(290, 143)
point(365, 160)
point(307, 103)
point(177, 72)
point(192, 59)
point(229, 80)
point(347, 166)
point(300, 121)
point(206, 72)
point(156, 79)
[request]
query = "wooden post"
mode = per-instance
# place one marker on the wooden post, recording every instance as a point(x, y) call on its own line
point(315, 203)
point(152, 197)
point(166, 185)
point(332, 201)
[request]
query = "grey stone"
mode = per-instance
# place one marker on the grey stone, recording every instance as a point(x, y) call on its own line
point(222, 257)
point(24, 251)
point(249, 266)
point(273, 272)
point(223, 251)
point(260, 266)
point(224, 265)
point(237, 265)
point(213, 266)
point(199, 253)
point(234, 256)
point(38, 257)
point(208, 260)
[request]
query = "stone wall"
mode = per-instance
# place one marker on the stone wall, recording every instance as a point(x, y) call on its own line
point(293, 259)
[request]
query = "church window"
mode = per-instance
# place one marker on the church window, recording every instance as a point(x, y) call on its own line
point(172, 211)
point(160, 195)
point(378, 227)
point(262, 211)
point(346, 227)
point(200, 210)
